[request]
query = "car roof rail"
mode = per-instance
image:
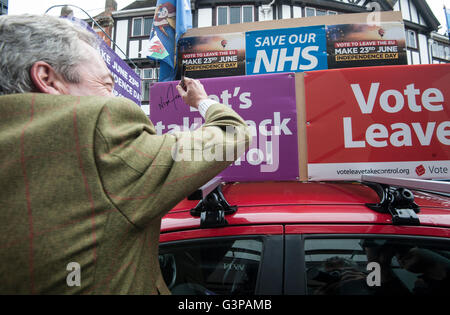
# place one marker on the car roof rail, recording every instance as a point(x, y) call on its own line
point(411, 183)
point(213, 207)
point(395, 200)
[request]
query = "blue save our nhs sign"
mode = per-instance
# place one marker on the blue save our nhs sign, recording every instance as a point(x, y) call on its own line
point(286, 50)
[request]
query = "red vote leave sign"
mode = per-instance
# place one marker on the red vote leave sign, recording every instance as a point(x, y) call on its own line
point(388, 121)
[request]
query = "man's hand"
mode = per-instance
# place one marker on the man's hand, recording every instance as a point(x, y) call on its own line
point(193, 93)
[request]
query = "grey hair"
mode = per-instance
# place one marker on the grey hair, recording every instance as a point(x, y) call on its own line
point(26, 39)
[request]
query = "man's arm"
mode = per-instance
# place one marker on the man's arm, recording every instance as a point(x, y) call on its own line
point(145, 175)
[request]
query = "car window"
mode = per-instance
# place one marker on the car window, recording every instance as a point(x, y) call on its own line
point(220, 266)
point(377, 266)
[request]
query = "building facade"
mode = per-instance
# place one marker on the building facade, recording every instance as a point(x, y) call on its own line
point(440, 48)
point(132, 24)
point(3, 7)
point(421, 28)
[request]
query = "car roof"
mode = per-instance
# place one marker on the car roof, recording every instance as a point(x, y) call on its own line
point(307, 202)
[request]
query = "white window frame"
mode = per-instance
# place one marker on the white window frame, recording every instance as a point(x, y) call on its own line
point(150, 79)
point(408, 32)
point(217, 14)
point(306, 8)
point(229, 13)
point(132, 26)
point(327, 12)
point(321, 10)
point(141, 33)
point(152, 74)
point(143, 82)
point(241, 12)
point(434, 49)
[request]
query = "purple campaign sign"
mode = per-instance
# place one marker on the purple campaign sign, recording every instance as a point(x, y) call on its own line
point(268, 105)
point(127, 81)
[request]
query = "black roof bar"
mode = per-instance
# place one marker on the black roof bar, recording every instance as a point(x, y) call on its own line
point(203, 191)
point(431, 185)
point(395, 200)
point(213, 206)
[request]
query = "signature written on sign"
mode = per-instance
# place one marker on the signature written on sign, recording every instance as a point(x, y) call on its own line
point(171, 98)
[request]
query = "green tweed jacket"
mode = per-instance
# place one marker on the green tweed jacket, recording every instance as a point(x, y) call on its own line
point(84, 183)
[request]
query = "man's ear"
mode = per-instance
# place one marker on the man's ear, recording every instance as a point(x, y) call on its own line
point(46, 80)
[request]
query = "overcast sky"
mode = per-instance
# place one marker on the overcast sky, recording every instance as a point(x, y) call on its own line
point(94, 7)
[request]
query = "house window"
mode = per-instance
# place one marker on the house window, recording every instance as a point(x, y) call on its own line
point(321, 12)
point(440, 51)
point(142, 26)
point(247, 14)
point(234, 14)
point(148, 76)
point(411, 41)
point(148, 73)
point(310, 11)
point(222, 15)
point(318, 12)
point(146, 90)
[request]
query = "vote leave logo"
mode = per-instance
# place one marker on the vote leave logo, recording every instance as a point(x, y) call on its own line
point(420, 170)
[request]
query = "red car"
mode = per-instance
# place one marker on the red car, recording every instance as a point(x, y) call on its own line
point(309, 238)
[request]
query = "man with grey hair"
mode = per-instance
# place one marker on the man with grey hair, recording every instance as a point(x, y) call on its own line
point(85, 179)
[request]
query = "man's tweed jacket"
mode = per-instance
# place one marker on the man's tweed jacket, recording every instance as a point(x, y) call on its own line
point(86, 180)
